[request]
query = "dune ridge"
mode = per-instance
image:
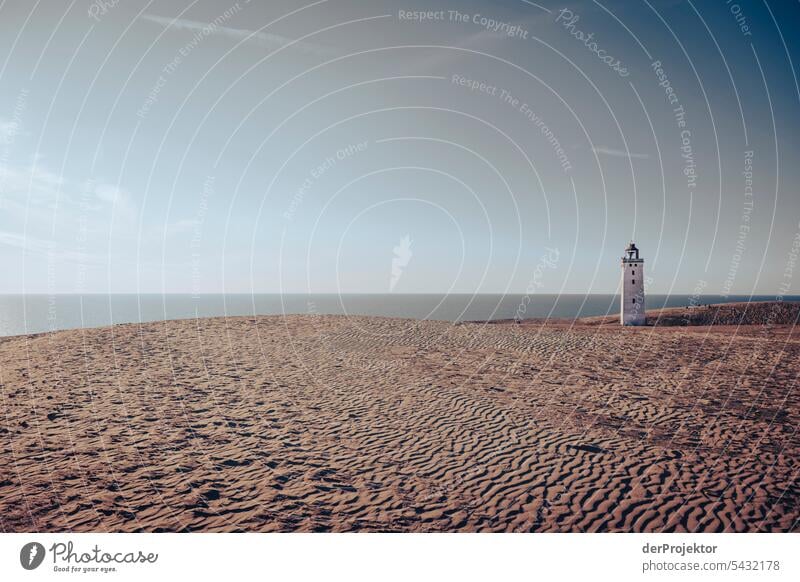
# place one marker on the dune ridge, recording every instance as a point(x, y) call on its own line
point(333, 423)
point(737, 313)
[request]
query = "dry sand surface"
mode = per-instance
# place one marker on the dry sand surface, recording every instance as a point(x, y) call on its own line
point(325, 423)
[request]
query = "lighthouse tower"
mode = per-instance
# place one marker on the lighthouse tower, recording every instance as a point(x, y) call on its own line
point(631, 310)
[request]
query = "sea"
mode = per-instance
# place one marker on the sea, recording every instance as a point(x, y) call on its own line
point(28, 314)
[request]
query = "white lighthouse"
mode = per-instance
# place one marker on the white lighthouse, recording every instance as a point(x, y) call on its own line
point(631, 310)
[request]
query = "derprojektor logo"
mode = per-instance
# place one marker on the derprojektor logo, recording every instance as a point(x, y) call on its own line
point(31, 555)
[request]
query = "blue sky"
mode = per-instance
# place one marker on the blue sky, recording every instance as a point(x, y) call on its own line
point(284, 146)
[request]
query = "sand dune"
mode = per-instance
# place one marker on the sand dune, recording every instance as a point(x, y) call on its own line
point(325, 423)
point(737, 313)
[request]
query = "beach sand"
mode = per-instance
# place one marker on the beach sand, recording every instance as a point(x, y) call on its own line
point(332, 423)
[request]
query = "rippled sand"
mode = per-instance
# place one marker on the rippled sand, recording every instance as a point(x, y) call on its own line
point(324, 423)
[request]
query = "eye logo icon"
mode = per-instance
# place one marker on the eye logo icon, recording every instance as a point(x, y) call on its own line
point(31, 555)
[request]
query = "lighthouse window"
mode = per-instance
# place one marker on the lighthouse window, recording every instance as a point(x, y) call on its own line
point(633, 271)
point(633, 281)
point(633, 300)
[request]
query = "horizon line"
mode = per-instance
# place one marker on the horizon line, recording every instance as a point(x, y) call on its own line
point(777, 297)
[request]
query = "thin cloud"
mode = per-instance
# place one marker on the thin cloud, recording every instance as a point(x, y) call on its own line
point(8, 131)
point(605, 151)
point(266, 39)
point(49, 248)
point(46, 214)
point(119, 201)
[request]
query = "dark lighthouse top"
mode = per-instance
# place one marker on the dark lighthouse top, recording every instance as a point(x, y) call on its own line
point(632, 252)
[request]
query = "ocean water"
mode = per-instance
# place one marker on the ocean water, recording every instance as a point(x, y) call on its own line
point(24, 314)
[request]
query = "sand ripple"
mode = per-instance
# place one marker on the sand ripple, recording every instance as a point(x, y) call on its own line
point(312, 423)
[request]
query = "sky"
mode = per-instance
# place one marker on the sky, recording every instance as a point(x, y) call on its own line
point(405, 147)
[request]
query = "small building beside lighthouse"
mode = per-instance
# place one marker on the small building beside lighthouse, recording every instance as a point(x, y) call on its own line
point(632, 306)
